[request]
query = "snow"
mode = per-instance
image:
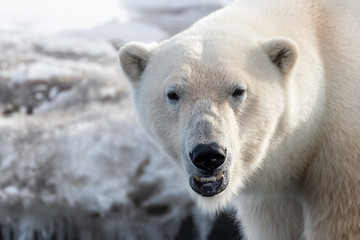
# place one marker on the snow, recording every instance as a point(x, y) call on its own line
point(125, 20)
point(51, 16)
point(115, 30)
point(91, 156)
point(74, 163)
point(170, 4)
point(53, 92)
point(74, 46)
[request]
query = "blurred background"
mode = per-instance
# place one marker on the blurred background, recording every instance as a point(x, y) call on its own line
point(74, 163)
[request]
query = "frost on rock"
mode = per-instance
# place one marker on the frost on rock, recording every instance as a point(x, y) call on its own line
point(73, 162)
point(172, 16)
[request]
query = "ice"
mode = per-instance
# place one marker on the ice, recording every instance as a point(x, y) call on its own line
point(42, 16)
point(67, 47)
point(172, 15)
point(39, 96)
point(11, 191)
point(170, 4)
point(53, 92)
point(92, 159)
point(123, 32)
point(46, 70)
point(81, 153)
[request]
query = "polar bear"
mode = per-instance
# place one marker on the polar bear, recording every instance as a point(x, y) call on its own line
point(259, 106)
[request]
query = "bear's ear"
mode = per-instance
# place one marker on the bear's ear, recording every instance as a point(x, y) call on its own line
point(133, 59)
point(282, 52)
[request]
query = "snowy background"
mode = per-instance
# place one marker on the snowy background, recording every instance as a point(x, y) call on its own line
point(73, 162)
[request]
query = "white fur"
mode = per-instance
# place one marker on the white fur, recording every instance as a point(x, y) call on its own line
point(293, 141)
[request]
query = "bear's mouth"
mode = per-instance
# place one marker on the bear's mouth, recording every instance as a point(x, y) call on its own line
point(208, 186)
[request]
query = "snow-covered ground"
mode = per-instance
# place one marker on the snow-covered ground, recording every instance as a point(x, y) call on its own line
point(74, 163)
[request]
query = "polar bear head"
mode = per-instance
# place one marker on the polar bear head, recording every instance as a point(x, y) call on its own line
point(213, 101)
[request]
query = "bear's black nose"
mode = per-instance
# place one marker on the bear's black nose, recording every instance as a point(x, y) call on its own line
point(208, 156)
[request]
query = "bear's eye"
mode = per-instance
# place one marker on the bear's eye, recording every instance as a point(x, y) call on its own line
point(238, 92)
point(172, 96)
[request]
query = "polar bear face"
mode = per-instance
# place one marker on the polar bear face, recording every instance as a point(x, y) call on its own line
point(212, 103)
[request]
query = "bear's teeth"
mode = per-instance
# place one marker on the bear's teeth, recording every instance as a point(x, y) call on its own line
point(209, 179)
point(205, 179)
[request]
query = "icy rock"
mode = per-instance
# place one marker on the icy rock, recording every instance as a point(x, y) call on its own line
point(79, 167)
